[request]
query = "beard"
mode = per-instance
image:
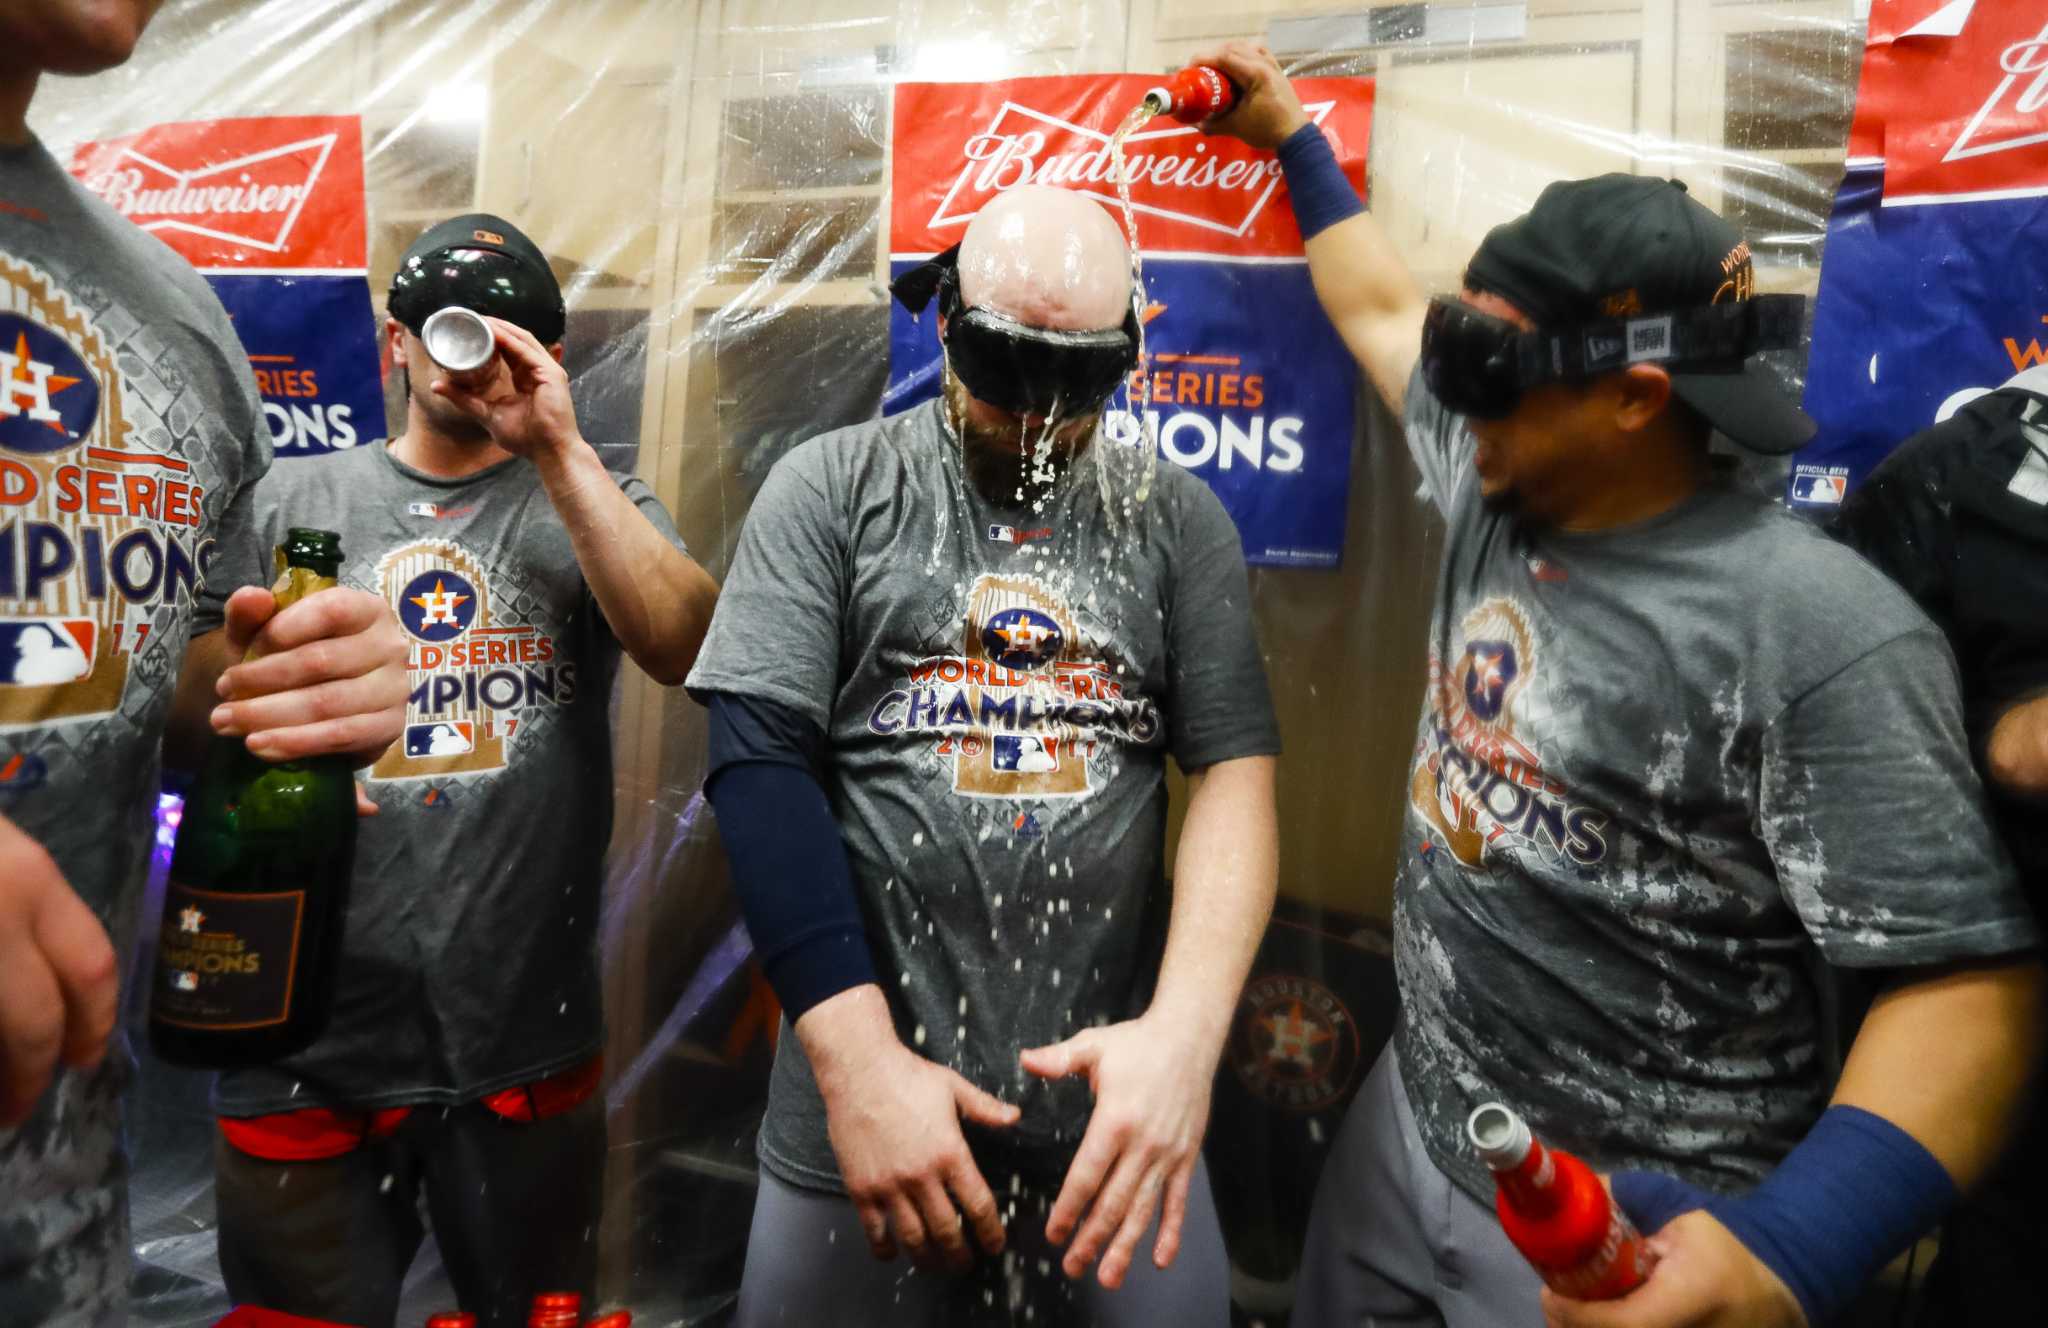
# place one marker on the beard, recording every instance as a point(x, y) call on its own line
point(443, 414)
point(1010, 465)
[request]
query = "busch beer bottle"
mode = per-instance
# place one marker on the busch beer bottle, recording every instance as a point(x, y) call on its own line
point(1557, 1213)
point(1194, 94)
point(258, 885)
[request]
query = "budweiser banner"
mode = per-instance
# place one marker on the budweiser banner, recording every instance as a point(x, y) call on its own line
point(1932, 292)
point(271, 211)
point(1244, 381)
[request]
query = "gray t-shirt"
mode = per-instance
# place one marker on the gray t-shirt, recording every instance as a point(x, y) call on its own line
point(1657, 768)
point(1000, 689)
point(469, 961)
point(129, 426)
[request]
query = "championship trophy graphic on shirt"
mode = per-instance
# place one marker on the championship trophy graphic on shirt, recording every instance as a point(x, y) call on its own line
point(101, 526)
point(1018, 637)
point(1473, 745)
point(466, 687)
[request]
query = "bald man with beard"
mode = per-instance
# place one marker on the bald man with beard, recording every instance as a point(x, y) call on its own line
point(956, 650)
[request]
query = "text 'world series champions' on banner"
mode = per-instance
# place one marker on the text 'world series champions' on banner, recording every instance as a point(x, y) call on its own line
point(271, 210)
point(1922, 303)
point(1244, 382)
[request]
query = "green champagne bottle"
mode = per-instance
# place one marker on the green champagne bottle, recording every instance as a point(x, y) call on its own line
point(258, 885)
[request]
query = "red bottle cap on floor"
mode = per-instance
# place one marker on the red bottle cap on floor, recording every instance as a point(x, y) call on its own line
point(451, 1319)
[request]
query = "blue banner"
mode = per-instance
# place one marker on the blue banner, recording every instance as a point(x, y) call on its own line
point(312, 341)
point(1921, 309)
point(1245, 384)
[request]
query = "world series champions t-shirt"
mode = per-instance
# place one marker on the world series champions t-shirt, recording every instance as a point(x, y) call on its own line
point(1000, 689)
point(129, 427)
point(469, 958)
point(1657, 767)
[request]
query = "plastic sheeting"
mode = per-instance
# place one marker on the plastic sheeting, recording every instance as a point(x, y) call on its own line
point(710, 179)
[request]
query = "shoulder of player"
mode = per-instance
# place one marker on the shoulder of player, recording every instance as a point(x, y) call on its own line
point(1823, 594)
point(1938, 452)
point(855, 455)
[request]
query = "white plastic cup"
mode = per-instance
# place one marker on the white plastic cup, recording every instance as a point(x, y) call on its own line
point(459, 341)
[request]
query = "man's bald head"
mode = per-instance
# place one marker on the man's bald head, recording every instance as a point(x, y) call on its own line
point(1047, 257)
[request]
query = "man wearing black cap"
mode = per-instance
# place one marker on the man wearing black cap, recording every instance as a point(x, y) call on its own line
point(519, 568)
point(1676, 748)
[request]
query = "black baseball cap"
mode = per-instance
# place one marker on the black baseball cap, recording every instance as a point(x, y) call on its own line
point(1620, 246)
point(480, 262)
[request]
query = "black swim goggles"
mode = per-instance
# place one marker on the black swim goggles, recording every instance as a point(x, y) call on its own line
point(1015, 366)
point(1479, 366)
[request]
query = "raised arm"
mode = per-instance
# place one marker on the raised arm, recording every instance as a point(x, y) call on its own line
point(1366, 290)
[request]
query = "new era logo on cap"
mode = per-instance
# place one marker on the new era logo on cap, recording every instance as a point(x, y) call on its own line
point(487, 237)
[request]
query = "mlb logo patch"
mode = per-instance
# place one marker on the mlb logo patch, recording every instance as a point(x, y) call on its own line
point(1820, 490)
point(456, 738)
point(1003, 534)
point(1025, 754)
point(422, 509)
point(45, 652)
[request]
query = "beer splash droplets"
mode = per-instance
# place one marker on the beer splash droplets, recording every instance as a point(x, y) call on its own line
point(1148, 469)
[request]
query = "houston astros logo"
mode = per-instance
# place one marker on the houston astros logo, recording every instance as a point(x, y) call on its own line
point(1295, 1045)
point(1498, 651)
point(437, 606)
point(48, 399)
point(1022, 638)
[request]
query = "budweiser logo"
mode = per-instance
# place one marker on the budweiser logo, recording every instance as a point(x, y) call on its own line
point(1175, 172)
point(251, 202)
point(2013, 111)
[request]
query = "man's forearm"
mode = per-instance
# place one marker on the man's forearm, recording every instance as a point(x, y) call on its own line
point(1365, 289)
point(1225, 876)
point(656, 598)
point(1949, 1059)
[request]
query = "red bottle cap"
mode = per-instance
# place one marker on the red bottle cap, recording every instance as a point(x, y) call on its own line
point(555, 1309)
point(451, 1319)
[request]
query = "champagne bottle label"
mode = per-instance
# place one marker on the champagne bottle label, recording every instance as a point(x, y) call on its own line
point(227, 961)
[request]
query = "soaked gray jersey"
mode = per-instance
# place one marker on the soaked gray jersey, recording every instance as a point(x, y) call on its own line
point(1657, 768)
point(1000, 689)
point(129, 425)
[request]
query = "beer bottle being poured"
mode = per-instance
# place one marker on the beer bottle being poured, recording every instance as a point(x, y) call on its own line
point(1557, 1213)
point(1193, 95)
point(258, 884)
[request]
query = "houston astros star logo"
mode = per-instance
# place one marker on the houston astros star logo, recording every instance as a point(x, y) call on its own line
point(437, 605)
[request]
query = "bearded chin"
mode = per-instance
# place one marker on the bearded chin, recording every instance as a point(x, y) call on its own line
point(1002, 462)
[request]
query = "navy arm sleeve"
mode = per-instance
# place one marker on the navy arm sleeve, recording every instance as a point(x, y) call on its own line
point(789, 865)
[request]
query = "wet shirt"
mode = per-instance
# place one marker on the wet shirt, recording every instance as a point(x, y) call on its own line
point(129, 428)
point(1657, 768)
point(469, 960)
point(1000, 689)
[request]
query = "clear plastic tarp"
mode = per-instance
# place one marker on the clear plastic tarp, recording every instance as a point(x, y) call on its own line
point(710, 180)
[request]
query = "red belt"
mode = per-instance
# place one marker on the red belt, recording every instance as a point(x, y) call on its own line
point(313, 1133)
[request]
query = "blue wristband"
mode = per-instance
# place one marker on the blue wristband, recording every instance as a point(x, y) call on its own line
point(1322, 196)
point(1856, 1191)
